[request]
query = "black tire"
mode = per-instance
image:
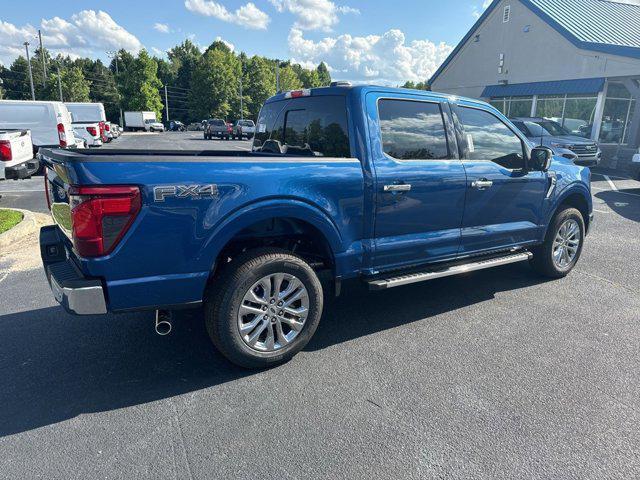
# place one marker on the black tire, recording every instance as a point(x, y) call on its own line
point(225, 295)
point(543, 261)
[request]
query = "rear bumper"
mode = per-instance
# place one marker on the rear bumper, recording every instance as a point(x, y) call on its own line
point(22, 170)
point(78, 294)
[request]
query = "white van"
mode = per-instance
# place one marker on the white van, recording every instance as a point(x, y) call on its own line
point(85, 116)
point(49, 122)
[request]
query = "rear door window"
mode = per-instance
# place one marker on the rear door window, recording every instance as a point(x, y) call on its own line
point(313, 126)
point(413, 130)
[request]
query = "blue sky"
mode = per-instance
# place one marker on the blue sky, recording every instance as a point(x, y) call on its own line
point(360, 40)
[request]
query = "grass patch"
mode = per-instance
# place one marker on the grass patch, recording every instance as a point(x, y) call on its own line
point(9, 219)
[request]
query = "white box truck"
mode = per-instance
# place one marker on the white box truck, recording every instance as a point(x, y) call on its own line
point(134, 121)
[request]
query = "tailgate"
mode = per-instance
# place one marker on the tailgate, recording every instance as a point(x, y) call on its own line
point(21, 146)
point(57, 185)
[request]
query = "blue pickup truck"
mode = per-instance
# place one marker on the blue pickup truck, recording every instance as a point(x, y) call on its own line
point(388, 186)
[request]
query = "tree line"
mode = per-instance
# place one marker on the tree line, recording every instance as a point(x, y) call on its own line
point(199, 85)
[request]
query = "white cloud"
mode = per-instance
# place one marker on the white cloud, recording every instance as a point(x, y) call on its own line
point(386, 58)
point(248, 16)
point(313, 14)
point(86, 33)
point(158, 52)
point(477, 13)
point(162, 27)
point(231, 46)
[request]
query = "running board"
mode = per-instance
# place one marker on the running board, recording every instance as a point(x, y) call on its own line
point(407, 279)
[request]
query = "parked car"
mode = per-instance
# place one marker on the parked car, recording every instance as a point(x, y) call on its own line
point(195, 127)
point(244, 128)
point(50, 123)
point(546, 132)
point(142, 121)
point(16, 155)
point(89, 133)
point(386, 186)
point(177, 126)
point(217, 128)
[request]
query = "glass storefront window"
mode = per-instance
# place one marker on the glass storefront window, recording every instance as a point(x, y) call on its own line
point(498, 103)
point(551, 106)
point(579, 115)
point(520, 106)
point(627, 131)
point(618, 113)
point(513, 106)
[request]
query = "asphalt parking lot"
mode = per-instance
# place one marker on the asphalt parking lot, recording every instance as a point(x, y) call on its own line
point(496, 374)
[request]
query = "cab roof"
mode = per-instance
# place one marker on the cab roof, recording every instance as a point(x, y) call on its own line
point(362, 90)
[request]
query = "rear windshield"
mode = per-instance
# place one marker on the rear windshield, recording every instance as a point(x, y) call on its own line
point(314, 126)
point(86, 113)
point(216, 122)
point(246, 123)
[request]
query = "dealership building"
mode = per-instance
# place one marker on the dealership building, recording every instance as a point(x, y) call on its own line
point(574, 61)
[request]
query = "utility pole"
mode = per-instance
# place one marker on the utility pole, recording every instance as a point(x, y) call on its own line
point(59, 83)
point(114, 55)
point(166, 102)
point(33, 91)
point(44, 60)
point(277, 76)
point(241, 101)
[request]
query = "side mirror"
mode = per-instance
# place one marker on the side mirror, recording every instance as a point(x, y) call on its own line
point(540, 159)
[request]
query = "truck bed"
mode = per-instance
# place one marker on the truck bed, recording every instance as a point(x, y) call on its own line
point(167, 255)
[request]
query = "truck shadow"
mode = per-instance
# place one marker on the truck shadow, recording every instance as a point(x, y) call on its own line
point(627, 206)
point(54, 367)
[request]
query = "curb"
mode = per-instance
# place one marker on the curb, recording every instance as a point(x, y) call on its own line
point(27, 226)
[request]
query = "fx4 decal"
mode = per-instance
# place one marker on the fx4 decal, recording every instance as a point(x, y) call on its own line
point(194, 192)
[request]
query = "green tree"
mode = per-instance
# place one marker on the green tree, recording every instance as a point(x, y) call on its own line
point(324, 75)
point(259, 84)
point(16, 81)
point(310, 78)
point(184, 58)
point(289, 80)
point(215, 84)
point(103, 89)
point(140, 86)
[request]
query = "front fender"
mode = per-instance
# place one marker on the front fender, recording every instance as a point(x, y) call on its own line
point(574, 182)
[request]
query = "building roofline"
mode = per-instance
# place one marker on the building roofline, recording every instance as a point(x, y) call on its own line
point(621, 50)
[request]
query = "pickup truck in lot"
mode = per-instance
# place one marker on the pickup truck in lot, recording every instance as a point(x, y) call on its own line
point(16, 155)
point(387, 186)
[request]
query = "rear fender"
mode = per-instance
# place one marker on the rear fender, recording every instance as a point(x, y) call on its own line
point(251, 214)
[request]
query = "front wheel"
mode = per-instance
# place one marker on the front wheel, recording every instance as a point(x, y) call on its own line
point(264, 308)
point(561, 250)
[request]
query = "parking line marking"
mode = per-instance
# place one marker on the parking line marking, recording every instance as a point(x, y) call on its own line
point(600, 211)
point(611, 184)
point(7, 192)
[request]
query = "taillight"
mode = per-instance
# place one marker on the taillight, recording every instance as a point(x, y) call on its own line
point(93, 131)
point(107, 127)
point(101, 216)
point(62, 135)
point(102, 135)
point(5, 151)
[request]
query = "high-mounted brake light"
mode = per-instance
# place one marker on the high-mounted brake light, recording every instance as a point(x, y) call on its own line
point(101, 216)
point(62, 135)
point(6, 154)
point(93, 131)
point(298, 93)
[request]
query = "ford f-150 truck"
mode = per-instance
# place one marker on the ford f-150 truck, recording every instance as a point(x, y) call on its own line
point(384, 185)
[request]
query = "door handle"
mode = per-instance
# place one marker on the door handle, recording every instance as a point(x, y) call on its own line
point(482, 184)
point(399, 187)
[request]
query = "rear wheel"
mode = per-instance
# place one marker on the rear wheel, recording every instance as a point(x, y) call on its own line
point(264, 308)
point(561, 250)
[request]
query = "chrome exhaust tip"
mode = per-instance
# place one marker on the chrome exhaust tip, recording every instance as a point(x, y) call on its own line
point(164, 323)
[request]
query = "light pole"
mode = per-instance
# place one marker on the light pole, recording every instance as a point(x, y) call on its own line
point(33, 91)
point(44, 61)
point(59, 82)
